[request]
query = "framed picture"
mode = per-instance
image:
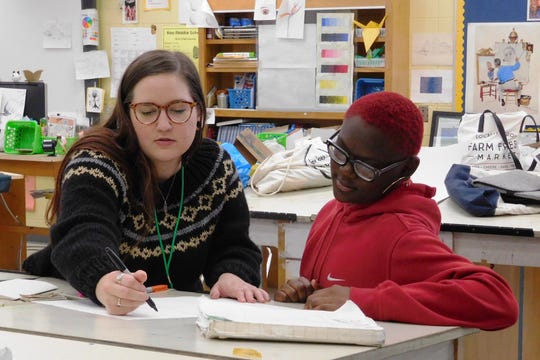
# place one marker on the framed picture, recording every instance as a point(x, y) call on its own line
point(444, 127)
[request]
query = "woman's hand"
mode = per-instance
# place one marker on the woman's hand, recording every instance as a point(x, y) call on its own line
point(329, 299)
point(296, 290)
point(122, 293)
point(231, 286)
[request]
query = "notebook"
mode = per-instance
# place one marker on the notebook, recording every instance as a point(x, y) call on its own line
point(226, 318)
point(14, 288)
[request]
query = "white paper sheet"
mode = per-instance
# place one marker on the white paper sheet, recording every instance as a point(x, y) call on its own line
point(434, 165)
point(92, 65)
point(14, 288)
point(169, 308)
point(277, 52)
point(291, 89)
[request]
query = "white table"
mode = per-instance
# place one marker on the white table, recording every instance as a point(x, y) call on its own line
point(55, 331)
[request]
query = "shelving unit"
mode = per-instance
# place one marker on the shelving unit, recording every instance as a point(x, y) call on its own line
point(395, 71)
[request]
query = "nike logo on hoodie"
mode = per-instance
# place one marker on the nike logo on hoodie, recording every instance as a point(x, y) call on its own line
point(329, 277)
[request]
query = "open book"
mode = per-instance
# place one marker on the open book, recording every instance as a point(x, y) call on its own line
point(226, 318)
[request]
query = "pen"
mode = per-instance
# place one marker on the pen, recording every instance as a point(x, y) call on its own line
point(122, 267)
point(156, 288)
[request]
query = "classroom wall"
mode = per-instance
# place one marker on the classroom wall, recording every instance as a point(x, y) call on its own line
point(22, 25)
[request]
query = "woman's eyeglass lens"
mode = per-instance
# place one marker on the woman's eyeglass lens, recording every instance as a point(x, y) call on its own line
point(178, 111)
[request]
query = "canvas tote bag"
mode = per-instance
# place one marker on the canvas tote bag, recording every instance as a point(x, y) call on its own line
point(491, 141)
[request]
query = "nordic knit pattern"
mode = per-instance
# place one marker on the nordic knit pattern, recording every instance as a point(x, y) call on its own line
point(98, 209)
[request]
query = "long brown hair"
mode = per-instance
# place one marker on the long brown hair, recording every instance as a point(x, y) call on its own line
point(116, 136)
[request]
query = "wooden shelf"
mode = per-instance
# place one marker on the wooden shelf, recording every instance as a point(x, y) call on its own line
point(285, 115)
point(234, 69)
point(369, 70)
point(249, 5)
point(231, 41)
point(394, 73)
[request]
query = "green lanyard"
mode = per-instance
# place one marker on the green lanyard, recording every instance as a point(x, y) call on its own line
point(167, 262)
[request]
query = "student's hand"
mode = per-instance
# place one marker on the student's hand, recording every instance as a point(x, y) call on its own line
point(329, 299)
point(231, 286)
point(122, 293)
point(296, 290)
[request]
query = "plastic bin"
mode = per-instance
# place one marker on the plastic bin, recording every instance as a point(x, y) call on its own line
point(281, 138)
point(366, 86)
point(241, 98)
point(360, 61)
point(22, 137)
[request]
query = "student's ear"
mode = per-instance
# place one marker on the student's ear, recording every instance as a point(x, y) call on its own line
point(411, 165)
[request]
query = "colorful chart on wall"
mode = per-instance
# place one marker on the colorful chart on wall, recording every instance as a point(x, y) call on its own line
point(335, 55)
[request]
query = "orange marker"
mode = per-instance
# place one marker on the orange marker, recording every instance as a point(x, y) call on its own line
point(156, 288)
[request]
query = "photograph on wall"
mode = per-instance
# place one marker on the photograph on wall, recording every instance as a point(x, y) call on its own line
point(533, 10)
point(502, 70)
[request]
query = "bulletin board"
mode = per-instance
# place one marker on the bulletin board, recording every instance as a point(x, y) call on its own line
point(24, 25)
point(483, 12)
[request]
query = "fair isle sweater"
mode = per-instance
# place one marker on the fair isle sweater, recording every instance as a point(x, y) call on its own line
point(96, 212)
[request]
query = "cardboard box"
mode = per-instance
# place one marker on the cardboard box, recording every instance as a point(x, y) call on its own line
point(251, 147)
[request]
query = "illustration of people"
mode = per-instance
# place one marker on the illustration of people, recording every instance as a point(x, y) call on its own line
point(491, 70)
point(130, 11)
point(505, 73)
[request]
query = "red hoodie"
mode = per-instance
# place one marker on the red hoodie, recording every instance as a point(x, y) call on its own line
point(390, 255)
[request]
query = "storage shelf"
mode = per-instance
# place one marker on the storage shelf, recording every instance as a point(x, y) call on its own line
point(234, 69)
point(286, 115)
point(231, 41)
point(369, 70)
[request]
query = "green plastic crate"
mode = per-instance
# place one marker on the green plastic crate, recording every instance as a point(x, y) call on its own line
point(22, 137)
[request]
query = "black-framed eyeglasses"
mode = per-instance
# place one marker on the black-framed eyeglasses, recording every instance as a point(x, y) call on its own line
point(178, 111)
point(363, 170)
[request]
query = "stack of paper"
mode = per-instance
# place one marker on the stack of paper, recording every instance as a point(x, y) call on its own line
point(15, 288)
point(226, 318)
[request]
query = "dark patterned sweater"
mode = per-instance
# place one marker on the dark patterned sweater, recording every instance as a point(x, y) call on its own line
point(212, 237)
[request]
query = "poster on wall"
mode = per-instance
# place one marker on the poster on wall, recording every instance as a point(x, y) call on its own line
point(90, 27)
point(502, 71)
point(182, 38)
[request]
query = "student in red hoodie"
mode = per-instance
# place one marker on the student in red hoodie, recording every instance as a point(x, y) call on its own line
point(377, 243)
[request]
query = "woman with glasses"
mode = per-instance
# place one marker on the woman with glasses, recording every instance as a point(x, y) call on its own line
point(377, 243)
point(147, 185)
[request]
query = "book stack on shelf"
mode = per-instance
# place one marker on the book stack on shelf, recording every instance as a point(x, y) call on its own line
point(229, 130)
point(235, 59)
point(237, 32)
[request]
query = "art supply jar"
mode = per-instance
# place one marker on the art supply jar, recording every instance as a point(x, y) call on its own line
point(222, 99)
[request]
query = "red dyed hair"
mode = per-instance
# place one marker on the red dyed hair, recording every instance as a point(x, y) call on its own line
point(395, 115)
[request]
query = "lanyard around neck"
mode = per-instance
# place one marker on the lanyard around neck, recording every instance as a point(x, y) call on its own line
point(167, 261)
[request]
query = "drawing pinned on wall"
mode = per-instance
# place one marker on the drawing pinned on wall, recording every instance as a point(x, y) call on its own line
point(264, 10)
point(90, 27)
point(94, 99)
point(290, 19)
point(197, 13)
point(433, 49)
point(11, 108)
point(432, 86)
point(57, 35)
point(130, 15)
